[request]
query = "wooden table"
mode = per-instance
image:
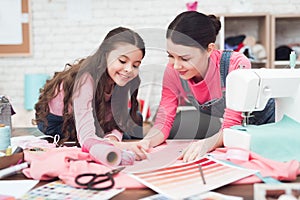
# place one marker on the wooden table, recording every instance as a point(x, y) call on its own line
point(245, 191)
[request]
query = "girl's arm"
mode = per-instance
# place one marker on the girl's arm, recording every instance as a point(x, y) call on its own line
point(83, 110)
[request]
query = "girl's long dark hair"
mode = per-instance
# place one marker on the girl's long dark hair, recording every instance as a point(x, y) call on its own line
point(72, 78)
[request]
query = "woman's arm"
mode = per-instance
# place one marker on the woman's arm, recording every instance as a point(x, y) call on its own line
point(154, 137)
point(164, 117)
point(230, 118)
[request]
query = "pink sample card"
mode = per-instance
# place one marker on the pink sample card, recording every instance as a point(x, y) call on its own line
point(187, 179)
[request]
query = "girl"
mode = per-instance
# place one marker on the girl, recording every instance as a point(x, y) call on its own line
point(88, 101)
point(194, 60)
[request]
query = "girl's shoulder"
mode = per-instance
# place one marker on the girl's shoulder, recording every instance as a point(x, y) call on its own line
point(85, 78)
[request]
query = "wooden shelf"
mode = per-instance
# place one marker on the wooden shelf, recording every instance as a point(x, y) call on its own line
point(284, 30)
point(284, 64)
point(249, 24)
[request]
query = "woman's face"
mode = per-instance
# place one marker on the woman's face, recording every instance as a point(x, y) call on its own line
point(190, 62)
point(123, 63)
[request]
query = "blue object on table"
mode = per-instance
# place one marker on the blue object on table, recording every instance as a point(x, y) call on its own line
point(32, 85)
point(278, 141)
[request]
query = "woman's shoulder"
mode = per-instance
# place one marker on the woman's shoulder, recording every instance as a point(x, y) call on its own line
point(217, 54)
point(236, 59)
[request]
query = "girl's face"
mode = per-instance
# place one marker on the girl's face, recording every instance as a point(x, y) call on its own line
point(190, 62)
point(123, 63)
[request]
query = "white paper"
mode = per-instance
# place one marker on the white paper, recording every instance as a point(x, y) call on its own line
point(10, 22)
point(162, 156)
point(16, 188)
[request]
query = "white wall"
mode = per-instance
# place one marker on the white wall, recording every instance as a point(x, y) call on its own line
point(59, 37)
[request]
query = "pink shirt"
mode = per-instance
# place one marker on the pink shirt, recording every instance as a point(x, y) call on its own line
point(207, 89)
point(83, 112)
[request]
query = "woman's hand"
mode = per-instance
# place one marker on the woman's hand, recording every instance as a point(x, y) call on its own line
point(199, 148)
point(193, 151)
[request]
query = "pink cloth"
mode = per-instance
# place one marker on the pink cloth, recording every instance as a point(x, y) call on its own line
point(203, 91)
point(68, 162)
point(283, 171)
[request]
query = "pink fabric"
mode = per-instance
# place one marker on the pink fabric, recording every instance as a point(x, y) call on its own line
point(203, 91)
point(122, 180)
point(68, 162)
point(283, 171)
point(48, 164)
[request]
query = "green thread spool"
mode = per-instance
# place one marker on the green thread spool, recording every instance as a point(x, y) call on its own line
point(292, 59)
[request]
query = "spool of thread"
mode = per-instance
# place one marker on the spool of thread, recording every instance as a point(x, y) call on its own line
point(292, 59)
point(5, 135)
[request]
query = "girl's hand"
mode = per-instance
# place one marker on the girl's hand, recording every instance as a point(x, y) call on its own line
point(139, 148)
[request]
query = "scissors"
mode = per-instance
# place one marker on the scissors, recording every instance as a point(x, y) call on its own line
point(94, 179)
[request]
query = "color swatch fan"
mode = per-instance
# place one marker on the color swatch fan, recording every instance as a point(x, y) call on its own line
point(58, 190)
point(184, 180)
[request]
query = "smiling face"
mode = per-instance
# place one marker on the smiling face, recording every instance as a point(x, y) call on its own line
point(190, 62)
point(123, 63)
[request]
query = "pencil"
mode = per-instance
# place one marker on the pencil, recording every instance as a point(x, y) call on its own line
point(202, 175)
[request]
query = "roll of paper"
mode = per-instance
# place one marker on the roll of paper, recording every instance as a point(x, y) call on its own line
point(106, 154)
point(236, 138)
point(5, 135)
point(32, 85)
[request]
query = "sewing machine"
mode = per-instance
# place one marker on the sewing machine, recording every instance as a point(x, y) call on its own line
point(248, 90)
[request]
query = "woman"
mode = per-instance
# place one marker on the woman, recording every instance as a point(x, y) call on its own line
point(194, 60)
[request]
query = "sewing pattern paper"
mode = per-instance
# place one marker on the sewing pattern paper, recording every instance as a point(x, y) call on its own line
point(184, 180)
point(161, 156)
